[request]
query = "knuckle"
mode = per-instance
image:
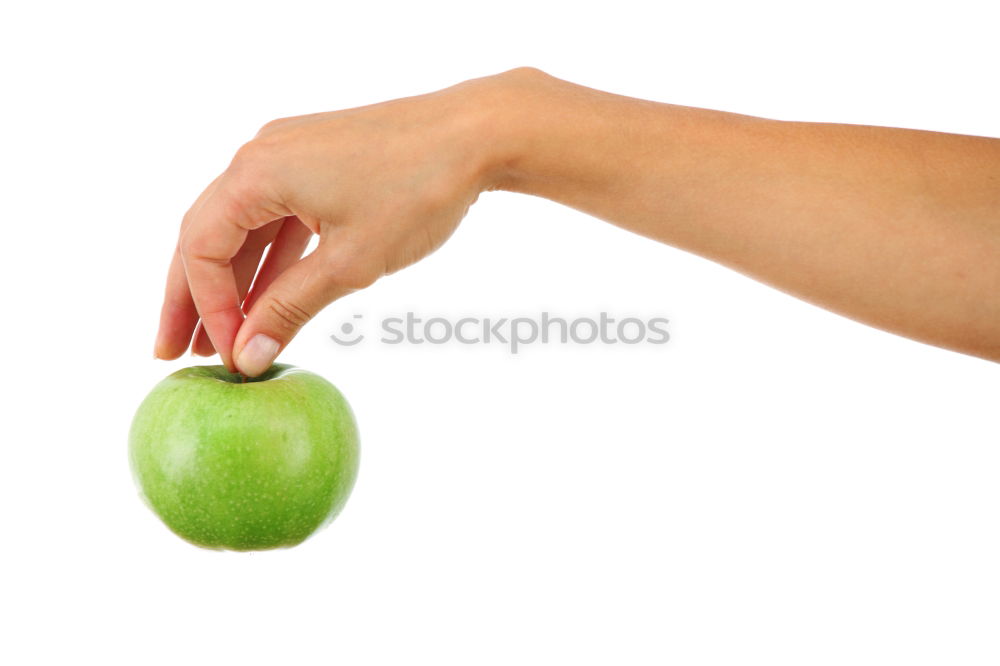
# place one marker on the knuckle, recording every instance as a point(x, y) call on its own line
point(199, 247)
point(252, 170)
point(272, 125)
point(188, 244)
point(286, 315)
point(248, 198)
point(250, 153)
point(234, 210)
point(255, 160)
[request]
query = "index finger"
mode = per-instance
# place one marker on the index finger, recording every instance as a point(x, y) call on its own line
point(178, 315)
point(214, 235)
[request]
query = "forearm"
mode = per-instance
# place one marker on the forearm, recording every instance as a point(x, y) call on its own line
point(896, 228)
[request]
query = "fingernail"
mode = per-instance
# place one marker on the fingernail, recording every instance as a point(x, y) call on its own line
point(257, 355)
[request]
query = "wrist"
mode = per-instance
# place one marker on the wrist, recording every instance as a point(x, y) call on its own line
point(509, 112)
point(550, 138)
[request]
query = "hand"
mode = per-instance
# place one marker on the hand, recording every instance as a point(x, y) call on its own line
point(382, 185)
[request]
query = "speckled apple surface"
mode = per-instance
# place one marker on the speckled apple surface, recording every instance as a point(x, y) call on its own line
point(251, 465)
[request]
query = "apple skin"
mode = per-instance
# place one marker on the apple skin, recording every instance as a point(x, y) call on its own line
point(244, 463)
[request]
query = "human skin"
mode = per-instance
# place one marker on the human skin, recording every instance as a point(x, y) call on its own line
point(896, 228)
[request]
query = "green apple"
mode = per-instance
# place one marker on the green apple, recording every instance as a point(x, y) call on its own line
point(238, 463)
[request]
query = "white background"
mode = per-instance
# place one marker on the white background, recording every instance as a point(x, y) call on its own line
point(777, 485)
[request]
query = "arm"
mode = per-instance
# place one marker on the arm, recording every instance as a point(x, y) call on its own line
point(896, 228)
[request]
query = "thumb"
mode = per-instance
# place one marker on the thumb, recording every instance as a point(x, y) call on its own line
point(295, 297)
